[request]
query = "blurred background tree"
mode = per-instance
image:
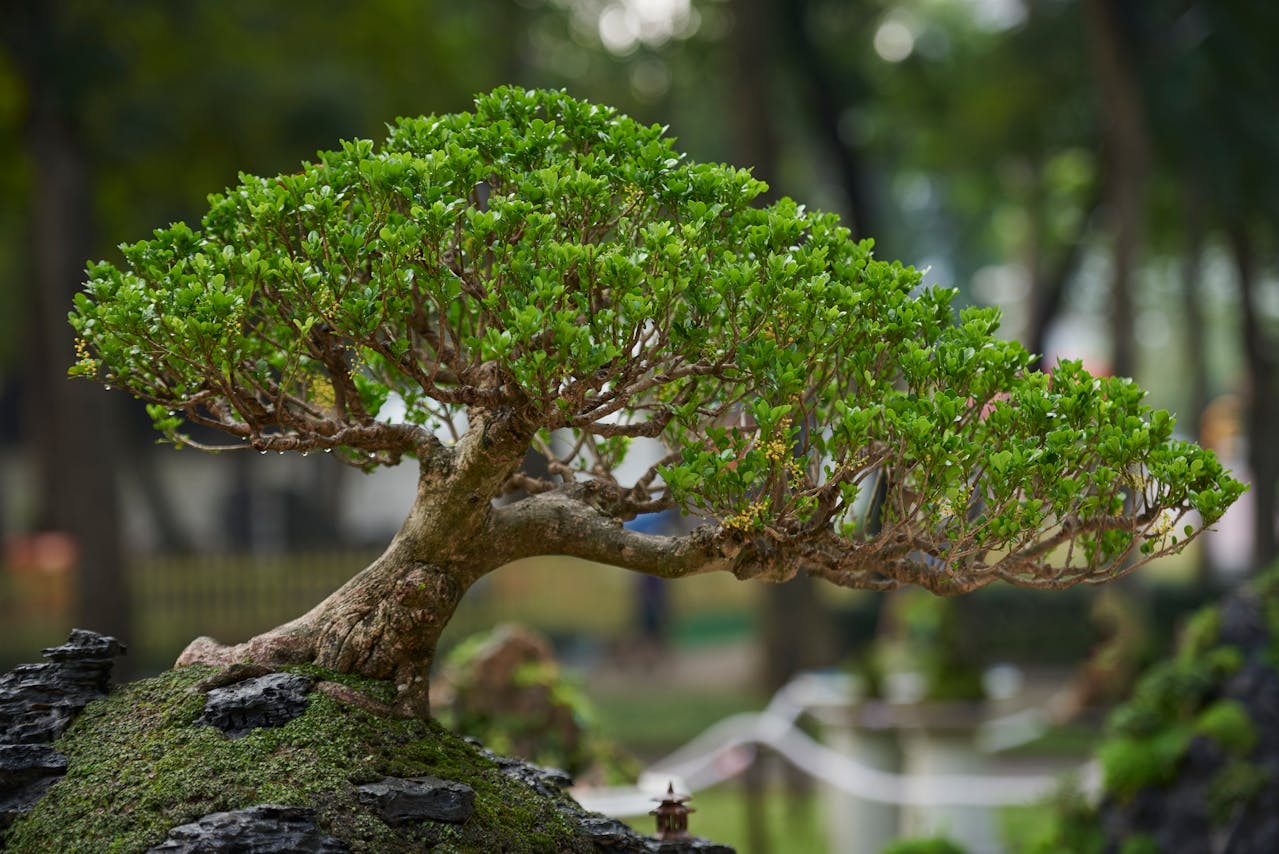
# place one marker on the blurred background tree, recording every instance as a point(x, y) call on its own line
point(1103, 171)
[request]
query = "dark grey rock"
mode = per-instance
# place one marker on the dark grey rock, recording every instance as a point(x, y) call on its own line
point(83, 645)
point(1182, 808)
point(1257, 685)
point(615, 837)
point(263, 829)
point(265, 701)
point(400, 801)
point(26, 773)
point(547, 781)
point(611, 835)
point(39, 701)
point(550, 782)
point(22, 763)
point(1243, 622)
point(17, 801)
point(37, 704)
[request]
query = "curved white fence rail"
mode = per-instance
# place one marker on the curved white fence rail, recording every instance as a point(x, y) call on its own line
point(728, 748)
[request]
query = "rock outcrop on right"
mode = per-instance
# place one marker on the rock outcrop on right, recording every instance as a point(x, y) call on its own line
point(1190, 763)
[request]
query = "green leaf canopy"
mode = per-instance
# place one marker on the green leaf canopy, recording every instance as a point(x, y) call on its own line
point(552, 259)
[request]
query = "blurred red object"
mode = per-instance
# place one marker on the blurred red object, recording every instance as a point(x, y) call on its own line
point(41, 568)
point(47, 552)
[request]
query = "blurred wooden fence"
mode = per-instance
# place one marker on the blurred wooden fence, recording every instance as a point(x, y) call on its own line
point(233, 597)
point(229, 597)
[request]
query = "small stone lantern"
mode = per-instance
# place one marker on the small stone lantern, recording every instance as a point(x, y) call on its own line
point(672, 815)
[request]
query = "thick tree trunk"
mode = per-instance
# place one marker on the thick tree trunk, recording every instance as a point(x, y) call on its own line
point(1048, 288)
point(384, 623)
point(1195, 326)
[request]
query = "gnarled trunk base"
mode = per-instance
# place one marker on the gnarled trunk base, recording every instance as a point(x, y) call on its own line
point(384, 623)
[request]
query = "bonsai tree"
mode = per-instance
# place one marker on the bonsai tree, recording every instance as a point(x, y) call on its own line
point(546, 274)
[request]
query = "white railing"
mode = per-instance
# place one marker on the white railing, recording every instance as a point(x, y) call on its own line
point(728, 748)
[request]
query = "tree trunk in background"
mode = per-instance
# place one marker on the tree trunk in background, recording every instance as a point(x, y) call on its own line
point(1195, 341)
point(1049, 283)
point(140, 463)
point(510, 25)
point(74, 436)
point(827, 105)
point(755, 799)
point(1262, 401)
point(1125, 168)
point(750, 72)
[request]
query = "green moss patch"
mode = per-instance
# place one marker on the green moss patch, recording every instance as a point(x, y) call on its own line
point(1142, 843)
point(1131, 764)
point(1200, 634)
point(139, 765)
point(1174, 701)
point(1228, 724)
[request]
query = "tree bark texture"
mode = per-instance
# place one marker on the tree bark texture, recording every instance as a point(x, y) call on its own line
point(1192, 304)
point(1051, 281)
point(384, 623)
point(1195, 338)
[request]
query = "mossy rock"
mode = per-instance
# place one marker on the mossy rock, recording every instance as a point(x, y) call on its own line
point(139, 765)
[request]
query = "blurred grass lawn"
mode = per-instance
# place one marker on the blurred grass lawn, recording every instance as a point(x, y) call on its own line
point(791, 821)
point(652, 725)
